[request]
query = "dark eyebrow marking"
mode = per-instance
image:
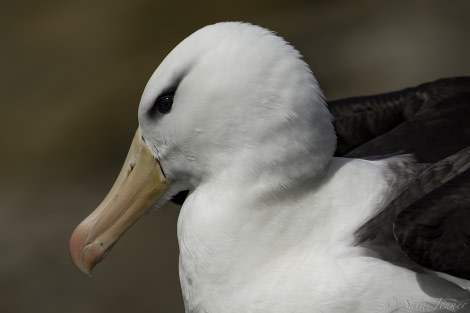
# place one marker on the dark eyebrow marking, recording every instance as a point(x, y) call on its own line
point(156, 106)
point(167, 92)
point(170, 90)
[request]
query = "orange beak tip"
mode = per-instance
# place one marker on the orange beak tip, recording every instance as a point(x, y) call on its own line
point(77, 251)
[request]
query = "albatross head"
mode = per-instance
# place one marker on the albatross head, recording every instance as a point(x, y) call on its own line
point(231, 99)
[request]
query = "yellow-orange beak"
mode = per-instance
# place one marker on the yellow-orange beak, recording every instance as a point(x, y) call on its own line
point(139, 184)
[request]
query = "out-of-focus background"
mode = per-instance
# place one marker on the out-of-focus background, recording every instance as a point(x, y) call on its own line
point(71, 75)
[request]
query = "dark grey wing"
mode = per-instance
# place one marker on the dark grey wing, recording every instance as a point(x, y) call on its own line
point(435, 230)
point(430, 121)
point(360, 119)
point(429, 219)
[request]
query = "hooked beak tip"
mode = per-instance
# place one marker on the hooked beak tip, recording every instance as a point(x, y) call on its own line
point(77, 250)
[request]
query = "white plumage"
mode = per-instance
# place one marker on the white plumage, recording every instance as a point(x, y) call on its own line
point(269, 225)
point(270, 221)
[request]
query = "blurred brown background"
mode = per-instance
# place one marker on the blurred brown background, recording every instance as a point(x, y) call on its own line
point(71, 74)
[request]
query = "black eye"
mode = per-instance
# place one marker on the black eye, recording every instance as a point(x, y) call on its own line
point(163, 103)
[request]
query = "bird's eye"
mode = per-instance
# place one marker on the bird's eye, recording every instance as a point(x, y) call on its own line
point(163, 103)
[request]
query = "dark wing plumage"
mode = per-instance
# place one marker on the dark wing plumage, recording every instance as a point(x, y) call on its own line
point(438, 236)
point(430, 218)
point(430, 121)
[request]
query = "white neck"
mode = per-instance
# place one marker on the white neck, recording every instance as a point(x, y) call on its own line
point(228, 237)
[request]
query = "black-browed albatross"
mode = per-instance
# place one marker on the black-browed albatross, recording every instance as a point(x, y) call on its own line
point(273, 221)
